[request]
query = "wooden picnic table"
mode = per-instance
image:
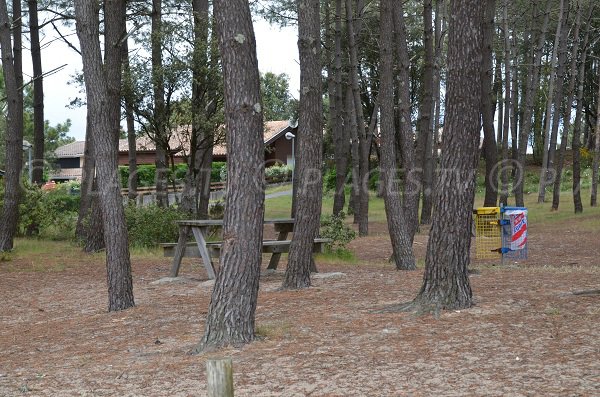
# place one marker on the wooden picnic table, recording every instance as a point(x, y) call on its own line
point(200, 229)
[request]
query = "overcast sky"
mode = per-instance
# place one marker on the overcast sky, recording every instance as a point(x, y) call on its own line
point(277, 52)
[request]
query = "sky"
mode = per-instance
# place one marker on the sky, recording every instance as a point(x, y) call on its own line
point(277, 52)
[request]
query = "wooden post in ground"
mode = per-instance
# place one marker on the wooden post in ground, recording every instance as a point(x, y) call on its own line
point(219, 376)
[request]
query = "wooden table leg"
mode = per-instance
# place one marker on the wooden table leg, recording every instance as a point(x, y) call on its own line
point(184, 232)
point(201, 242)
point(274, 261)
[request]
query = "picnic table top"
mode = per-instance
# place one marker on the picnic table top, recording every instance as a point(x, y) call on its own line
point(219, 222)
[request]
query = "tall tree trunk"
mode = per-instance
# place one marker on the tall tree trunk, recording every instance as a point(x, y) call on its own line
point(532, 86)
point(559, 98)
point(446, 281)
point(425, 143)
point(13, 137)
point(204, 109)
point(196, 191)
point(308, 211)
point(231, 314)
point(596, 162)
point(412, 182)
point(397, 225)
point(132, 182)
point(38, 94)
point(508, 108)
point(577, 202)
point(103, 91)
point(568, 107)
point(354, 202)
point(336, 98)
point(89, 229)
point(487, 108)
point(363, 139)
point(551, 101)
point(160, 126)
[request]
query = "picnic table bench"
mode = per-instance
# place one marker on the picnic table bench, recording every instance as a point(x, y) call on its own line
point(200, 248)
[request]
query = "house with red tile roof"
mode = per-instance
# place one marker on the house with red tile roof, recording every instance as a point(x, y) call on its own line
point(70, 157)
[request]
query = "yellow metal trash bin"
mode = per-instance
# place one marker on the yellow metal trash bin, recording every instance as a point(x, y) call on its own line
point(488, 232)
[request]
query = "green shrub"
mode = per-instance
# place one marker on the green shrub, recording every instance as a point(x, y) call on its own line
point(278, 173)
point(216, 168)
point(333, 227)
point(148, 226)
point(146, 175)
point(180, 172)
point(329, 180)
point(49, 214)
point(374, 179)
point(586, 157)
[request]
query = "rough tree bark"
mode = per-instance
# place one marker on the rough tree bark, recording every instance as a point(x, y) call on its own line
point(132, 182)
point(446, 280)
point(231, 313)
point(596, 162)
point(507, 111)
point(336, 98)
point(89, 229)
point(13, 137)
point(38, 94)
point(559, 97)
point(196, 191)
point(363, 140)
point(577, 202)
point(161, 139)
point(549, 105)
point(103, 92)
point(568, 107)
point(401, 240)
point(411, 181)
point(310, 186)
point(532, 86)
point(425, 141)
point(487, 109)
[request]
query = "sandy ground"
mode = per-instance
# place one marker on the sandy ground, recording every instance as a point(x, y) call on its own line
point(527, 335)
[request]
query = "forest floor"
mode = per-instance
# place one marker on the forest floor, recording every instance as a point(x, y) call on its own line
point(527, 334)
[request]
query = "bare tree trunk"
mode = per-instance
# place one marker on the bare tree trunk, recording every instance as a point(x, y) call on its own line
point(577, 202)
point(89, 229)
point(132, 182)
point(553, 67)
point(336, 98)
point(412, 182)
point(38, 94)
point(103, 91)
point(487, 108)
point(596, 162)
point(160, 123)
point(532, 87)
point(13, 137)
point(231, 314)
point(363, 139)
point(568, 107)
point(559, 98)
point(446, 281)
point(196, 192)
point(425, 143)
point(354, 203)
point(508, 109)
point(397, 225)
point(310, 187)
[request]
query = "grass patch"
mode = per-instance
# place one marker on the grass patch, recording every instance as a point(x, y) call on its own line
point(281, 188)
point(344, 256)
point(41, 256)
point(276, 330)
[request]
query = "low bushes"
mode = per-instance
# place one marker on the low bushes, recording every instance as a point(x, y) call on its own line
point(148, 226)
